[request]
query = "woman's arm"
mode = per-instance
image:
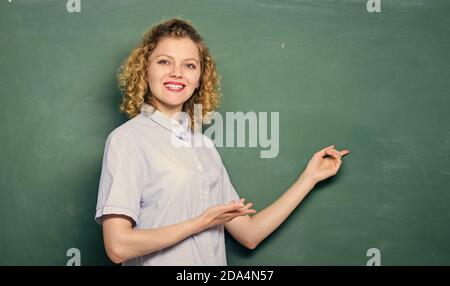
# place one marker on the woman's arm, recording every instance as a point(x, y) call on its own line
point(250, 231)
point(122, 242)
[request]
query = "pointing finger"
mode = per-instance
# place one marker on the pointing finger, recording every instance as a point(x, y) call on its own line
point(323, 152)
point(333, 153)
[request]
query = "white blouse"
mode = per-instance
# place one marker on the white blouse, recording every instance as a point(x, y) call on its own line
point(157, 183)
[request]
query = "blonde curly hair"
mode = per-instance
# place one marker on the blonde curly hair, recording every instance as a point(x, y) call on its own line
point(132, 75)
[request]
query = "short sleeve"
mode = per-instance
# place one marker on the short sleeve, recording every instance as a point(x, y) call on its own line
point(120, 186)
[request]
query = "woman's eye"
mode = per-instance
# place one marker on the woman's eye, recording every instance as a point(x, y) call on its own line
point(191, 66)
point(163, 62)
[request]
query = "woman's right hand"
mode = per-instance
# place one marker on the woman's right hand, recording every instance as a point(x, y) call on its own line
point(221, 214)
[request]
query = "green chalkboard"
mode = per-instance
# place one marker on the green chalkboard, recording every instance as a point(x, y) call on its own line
point(376, 83)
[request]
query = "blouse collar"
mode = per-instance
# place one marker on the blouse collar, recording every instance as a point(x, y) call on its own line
point(180, 127)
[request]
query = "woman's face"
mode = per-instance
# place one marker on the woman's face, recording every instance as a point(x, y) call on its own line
point(174, 73)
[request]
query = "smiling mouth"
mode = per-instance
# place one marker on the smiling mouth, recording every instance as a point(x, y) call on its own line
point(174, 87)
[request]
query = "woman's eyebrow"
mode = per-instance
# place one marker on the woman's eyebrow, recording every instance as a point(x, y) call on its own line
point(165, 55)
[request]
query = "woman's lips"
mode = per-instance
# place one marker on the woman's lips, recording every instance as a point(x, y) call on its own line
point(174, 87)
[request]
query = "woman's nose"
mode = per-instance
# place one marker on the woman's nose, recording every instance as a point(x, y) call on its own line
point(176, 71)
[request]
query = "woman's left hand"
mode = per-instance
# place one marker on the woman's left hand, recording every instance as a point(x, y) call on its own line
point(324, 164)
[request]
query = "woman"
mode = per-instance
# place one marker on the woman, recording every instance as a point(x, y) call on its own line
point(162, 204)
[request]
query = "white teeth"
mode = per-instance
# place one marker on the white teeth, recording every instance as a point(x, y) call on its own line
point(174, 86)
